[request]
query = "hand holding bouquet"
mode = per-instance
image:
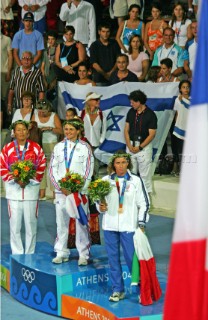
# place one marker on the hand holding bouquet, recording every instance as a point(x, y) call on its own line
point(22, 172)
point(98, 189)
point(72, 182)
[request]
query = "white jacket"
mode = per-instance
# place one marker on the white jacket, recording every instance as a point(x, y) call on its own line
point(136, 205)
point(82, 162)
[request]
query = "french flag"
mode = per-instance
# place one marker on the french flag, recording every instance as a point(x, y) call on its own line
point(187, 289)
point(75, 203)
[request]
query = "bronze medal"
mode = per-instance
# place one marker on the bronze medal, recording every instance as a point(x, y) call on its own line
point(120, 210)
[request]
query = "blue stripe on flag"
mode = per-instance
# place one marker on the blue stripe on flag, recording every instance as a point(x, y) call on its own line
point(199, 91)
point(179, 131)
point(161, 104)
point(111, 147)
point(156, 104)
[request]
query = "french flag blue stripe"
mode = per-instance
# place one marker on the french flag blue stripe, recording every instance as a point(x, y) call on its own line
point(199, 91)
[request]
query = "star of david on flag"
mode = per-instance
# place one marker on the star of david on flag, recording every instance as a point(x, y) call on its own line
point(115, 106)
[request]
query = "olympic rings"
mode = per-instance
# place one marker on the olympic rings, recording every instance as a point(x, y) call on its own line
point(28, 275)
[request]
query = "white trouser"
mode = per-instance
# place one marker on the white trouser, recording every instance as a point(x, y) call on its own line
point(17, 210)
point(62, 221)
point(142, 163)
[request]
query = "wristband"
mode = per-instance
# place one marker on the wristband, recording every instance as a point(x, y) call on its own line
point(140, 148)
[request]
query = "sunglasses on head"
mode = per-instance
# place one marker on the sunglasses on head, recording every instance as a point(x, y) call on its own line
point(41, 102)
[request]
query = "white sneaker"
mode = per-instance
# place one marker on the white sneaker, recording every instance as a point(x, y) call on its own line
point(60, 259)
point(116, 296)
point(82, 261)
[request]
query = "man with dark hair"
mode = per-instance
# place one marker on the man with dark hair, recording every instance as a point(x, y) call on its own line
point(122, 73)
point(168, 62)
point(103, 54)
point(139, 131)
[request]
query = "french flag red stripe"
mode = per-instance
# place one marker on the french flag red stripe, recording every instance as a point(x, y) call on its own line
point(188, 281)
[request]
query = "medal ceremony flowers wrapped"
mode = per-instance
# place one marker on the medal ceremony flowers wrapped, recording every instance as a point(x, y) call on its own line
point(74, 182)
point(23, 171)
point(98, 189)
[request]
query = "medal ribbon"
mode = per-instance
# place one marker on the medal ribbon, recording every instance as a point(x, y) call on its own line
point(68, 163)
point(17, 150)
point(121, 196)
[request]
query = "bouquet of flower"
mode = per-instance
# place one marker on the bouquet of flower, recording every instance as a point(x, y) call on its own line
point(23, 171)
point(98, 189)
point(72, 182)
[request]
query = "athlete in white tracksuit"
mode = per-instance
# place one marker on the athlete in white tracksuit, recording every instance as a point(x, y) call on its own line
point(82, 163)
point(119, 227)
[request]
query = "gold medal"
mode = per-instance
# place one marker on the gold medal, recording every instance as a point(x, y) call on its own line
point(120, 210)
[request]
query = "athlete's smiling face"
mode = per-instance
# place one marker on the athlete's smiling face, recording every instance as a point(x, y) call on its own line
point(70, 132)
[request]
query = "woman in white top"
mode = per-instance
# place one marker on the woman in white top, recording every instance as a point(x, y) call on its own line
point(94, 123)
point(138, 59)
point(180, 25)
point(25, 112)
point(51, 128)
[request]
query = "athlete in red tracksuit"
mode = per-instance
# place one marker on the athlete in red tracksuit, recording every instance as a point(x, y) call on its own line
point(22, 199)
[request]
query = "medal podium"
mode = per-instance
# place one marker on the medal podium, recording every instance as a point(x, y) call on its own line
point(69, 291)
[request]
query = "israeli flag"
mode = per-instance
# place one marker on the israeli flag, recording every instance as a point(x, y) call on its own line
point(115, 105)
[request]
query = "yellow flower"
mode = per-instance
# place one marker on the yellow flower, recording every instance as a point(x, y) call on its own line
point(21, 165)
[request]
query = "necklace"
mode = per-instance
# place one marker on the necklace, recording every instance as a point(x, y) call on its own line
point(93, 112)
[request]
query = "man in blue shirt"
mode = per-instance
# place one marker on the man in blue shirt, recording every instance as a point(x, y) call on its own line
point(28, 40)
